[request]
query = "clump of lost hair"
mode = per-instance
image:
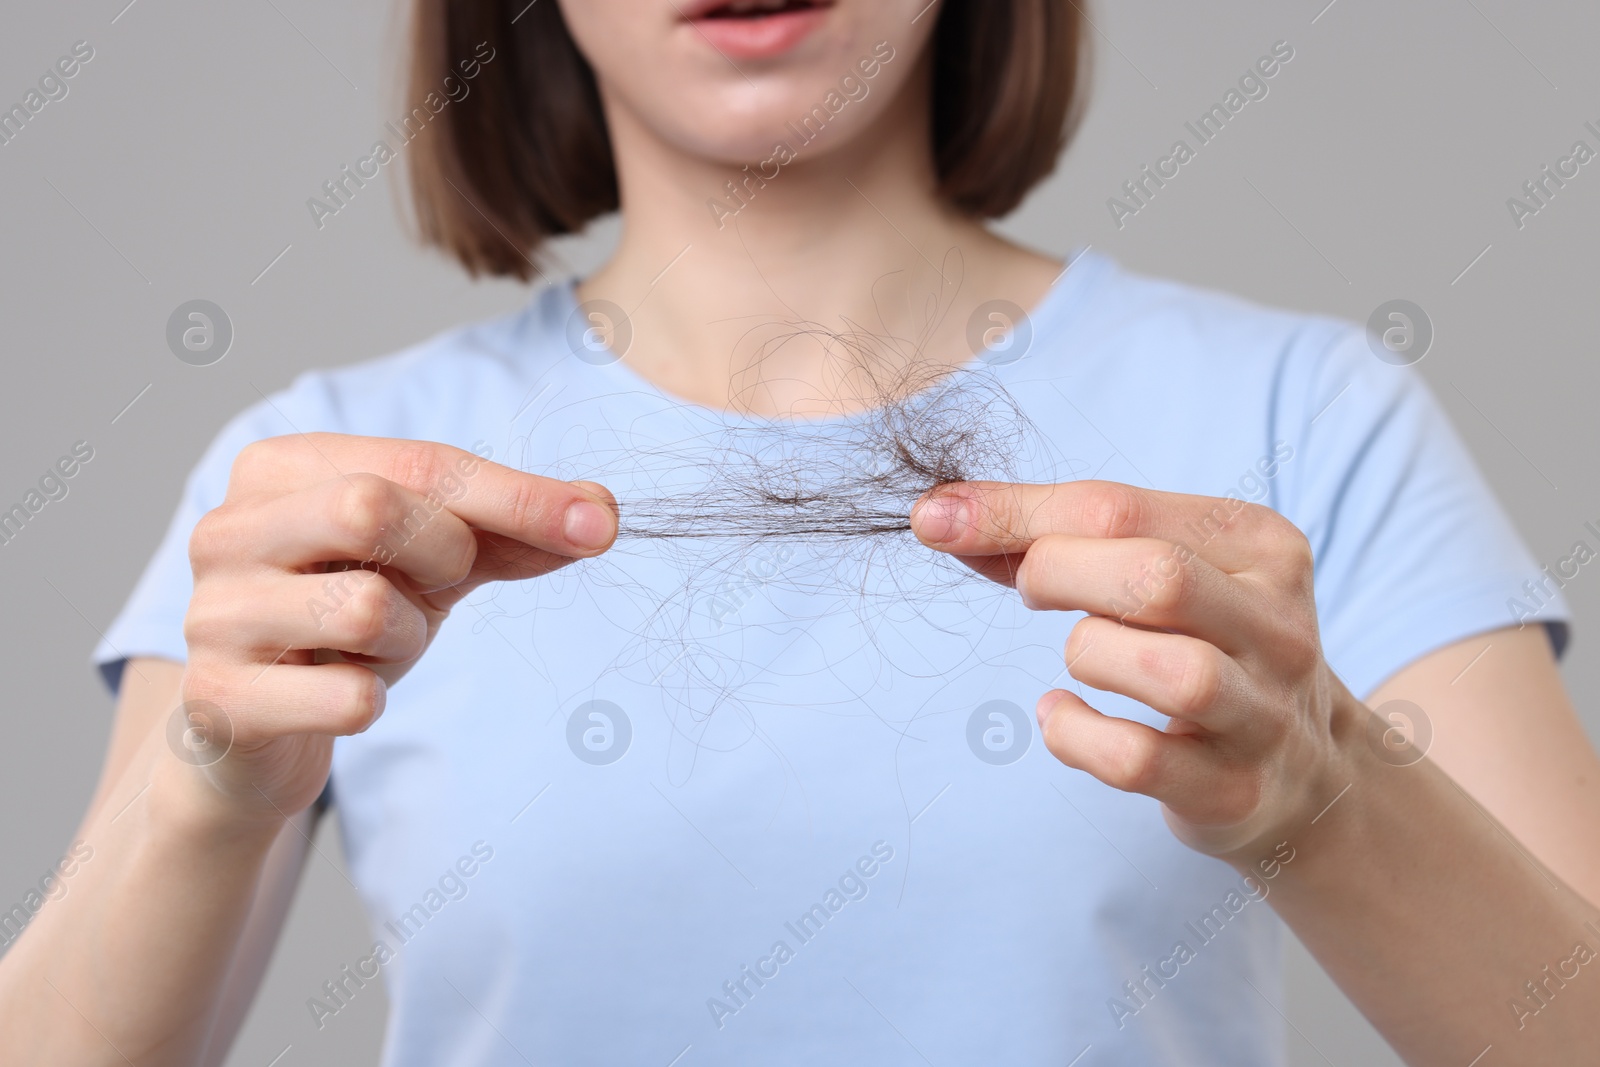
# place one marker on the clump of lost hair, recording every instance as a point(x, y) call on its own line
point(856, 479)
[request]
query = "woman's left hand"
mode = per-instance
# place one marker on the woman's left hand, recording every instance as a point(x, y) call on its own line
point(1199, 607)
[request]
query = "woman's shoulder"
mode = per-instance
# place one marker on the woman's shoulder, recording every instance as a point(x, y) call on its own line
point(437, 389)
point(1181, 325)
point(1205, 364)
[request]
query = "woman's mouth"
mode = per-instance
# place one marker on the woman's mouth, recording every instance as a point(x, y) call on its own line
point(756, 29)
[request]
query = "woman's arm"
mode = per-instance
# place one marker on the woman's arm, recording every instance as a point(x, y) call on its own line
point(320, 580)
point(131, 964)
point(1504, 728)
point(1465, 933)
point(1429, 913)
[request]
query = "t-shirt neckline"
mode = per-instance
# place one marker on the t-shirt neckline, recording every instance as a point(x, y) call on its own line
point(1054, 311)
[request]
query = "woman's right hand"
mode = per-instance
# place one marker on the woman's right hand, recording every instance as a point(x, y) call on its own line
point(323, 576)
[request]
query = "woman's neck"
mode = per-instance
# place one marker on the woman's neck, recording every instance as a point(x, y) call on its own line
point(733, 295)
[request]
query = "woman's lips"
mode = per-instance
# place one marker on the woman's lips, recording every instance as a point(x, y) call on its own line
point(759, 34)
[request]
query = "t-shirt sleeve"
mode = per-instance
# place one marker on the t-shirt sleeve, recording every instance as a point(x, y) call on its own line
point(151, 621)
point(1413, 552)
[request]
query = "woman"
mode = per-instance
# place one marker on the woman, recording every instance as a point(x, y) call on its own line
point(781, 828)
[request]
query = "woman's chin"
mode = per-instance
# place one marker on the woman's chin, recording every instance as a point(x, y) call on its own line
point(775, 138)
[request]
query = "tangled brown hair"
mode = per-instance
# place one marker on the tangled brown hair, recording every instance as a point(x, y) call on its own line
point(526, 155)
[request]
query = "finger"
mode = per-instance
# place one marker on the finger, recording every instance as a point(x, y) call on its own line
point(361, 518)
point(332, 699)
point(357, 612)
point(502, 559)
point(1144, 581)
point(1174, 768)
point(1186, 678)
point(994, 518)
point(569, 519)
point(1001, 569)
point(498, 559)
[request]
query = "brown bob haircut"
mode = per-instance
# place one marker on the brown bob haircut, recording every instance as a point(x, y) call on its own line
point(526, 155)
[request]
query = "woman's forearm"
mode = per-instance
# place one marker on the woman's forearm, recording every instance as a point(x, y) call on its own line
point(136, 963)
point(1446, 934)
point(129, 964)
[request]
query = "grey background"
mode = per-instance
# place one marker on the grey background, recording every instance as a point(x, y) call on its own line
point(179, 165)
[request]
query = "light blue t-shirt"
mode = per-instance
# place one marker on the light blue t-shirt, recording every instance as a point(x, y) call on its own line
point(787, 804)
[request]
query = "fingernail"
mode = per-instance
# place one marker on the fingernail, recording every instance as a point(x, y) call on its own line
point(941, 518)
point(588, 525)
point(1047, 706)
